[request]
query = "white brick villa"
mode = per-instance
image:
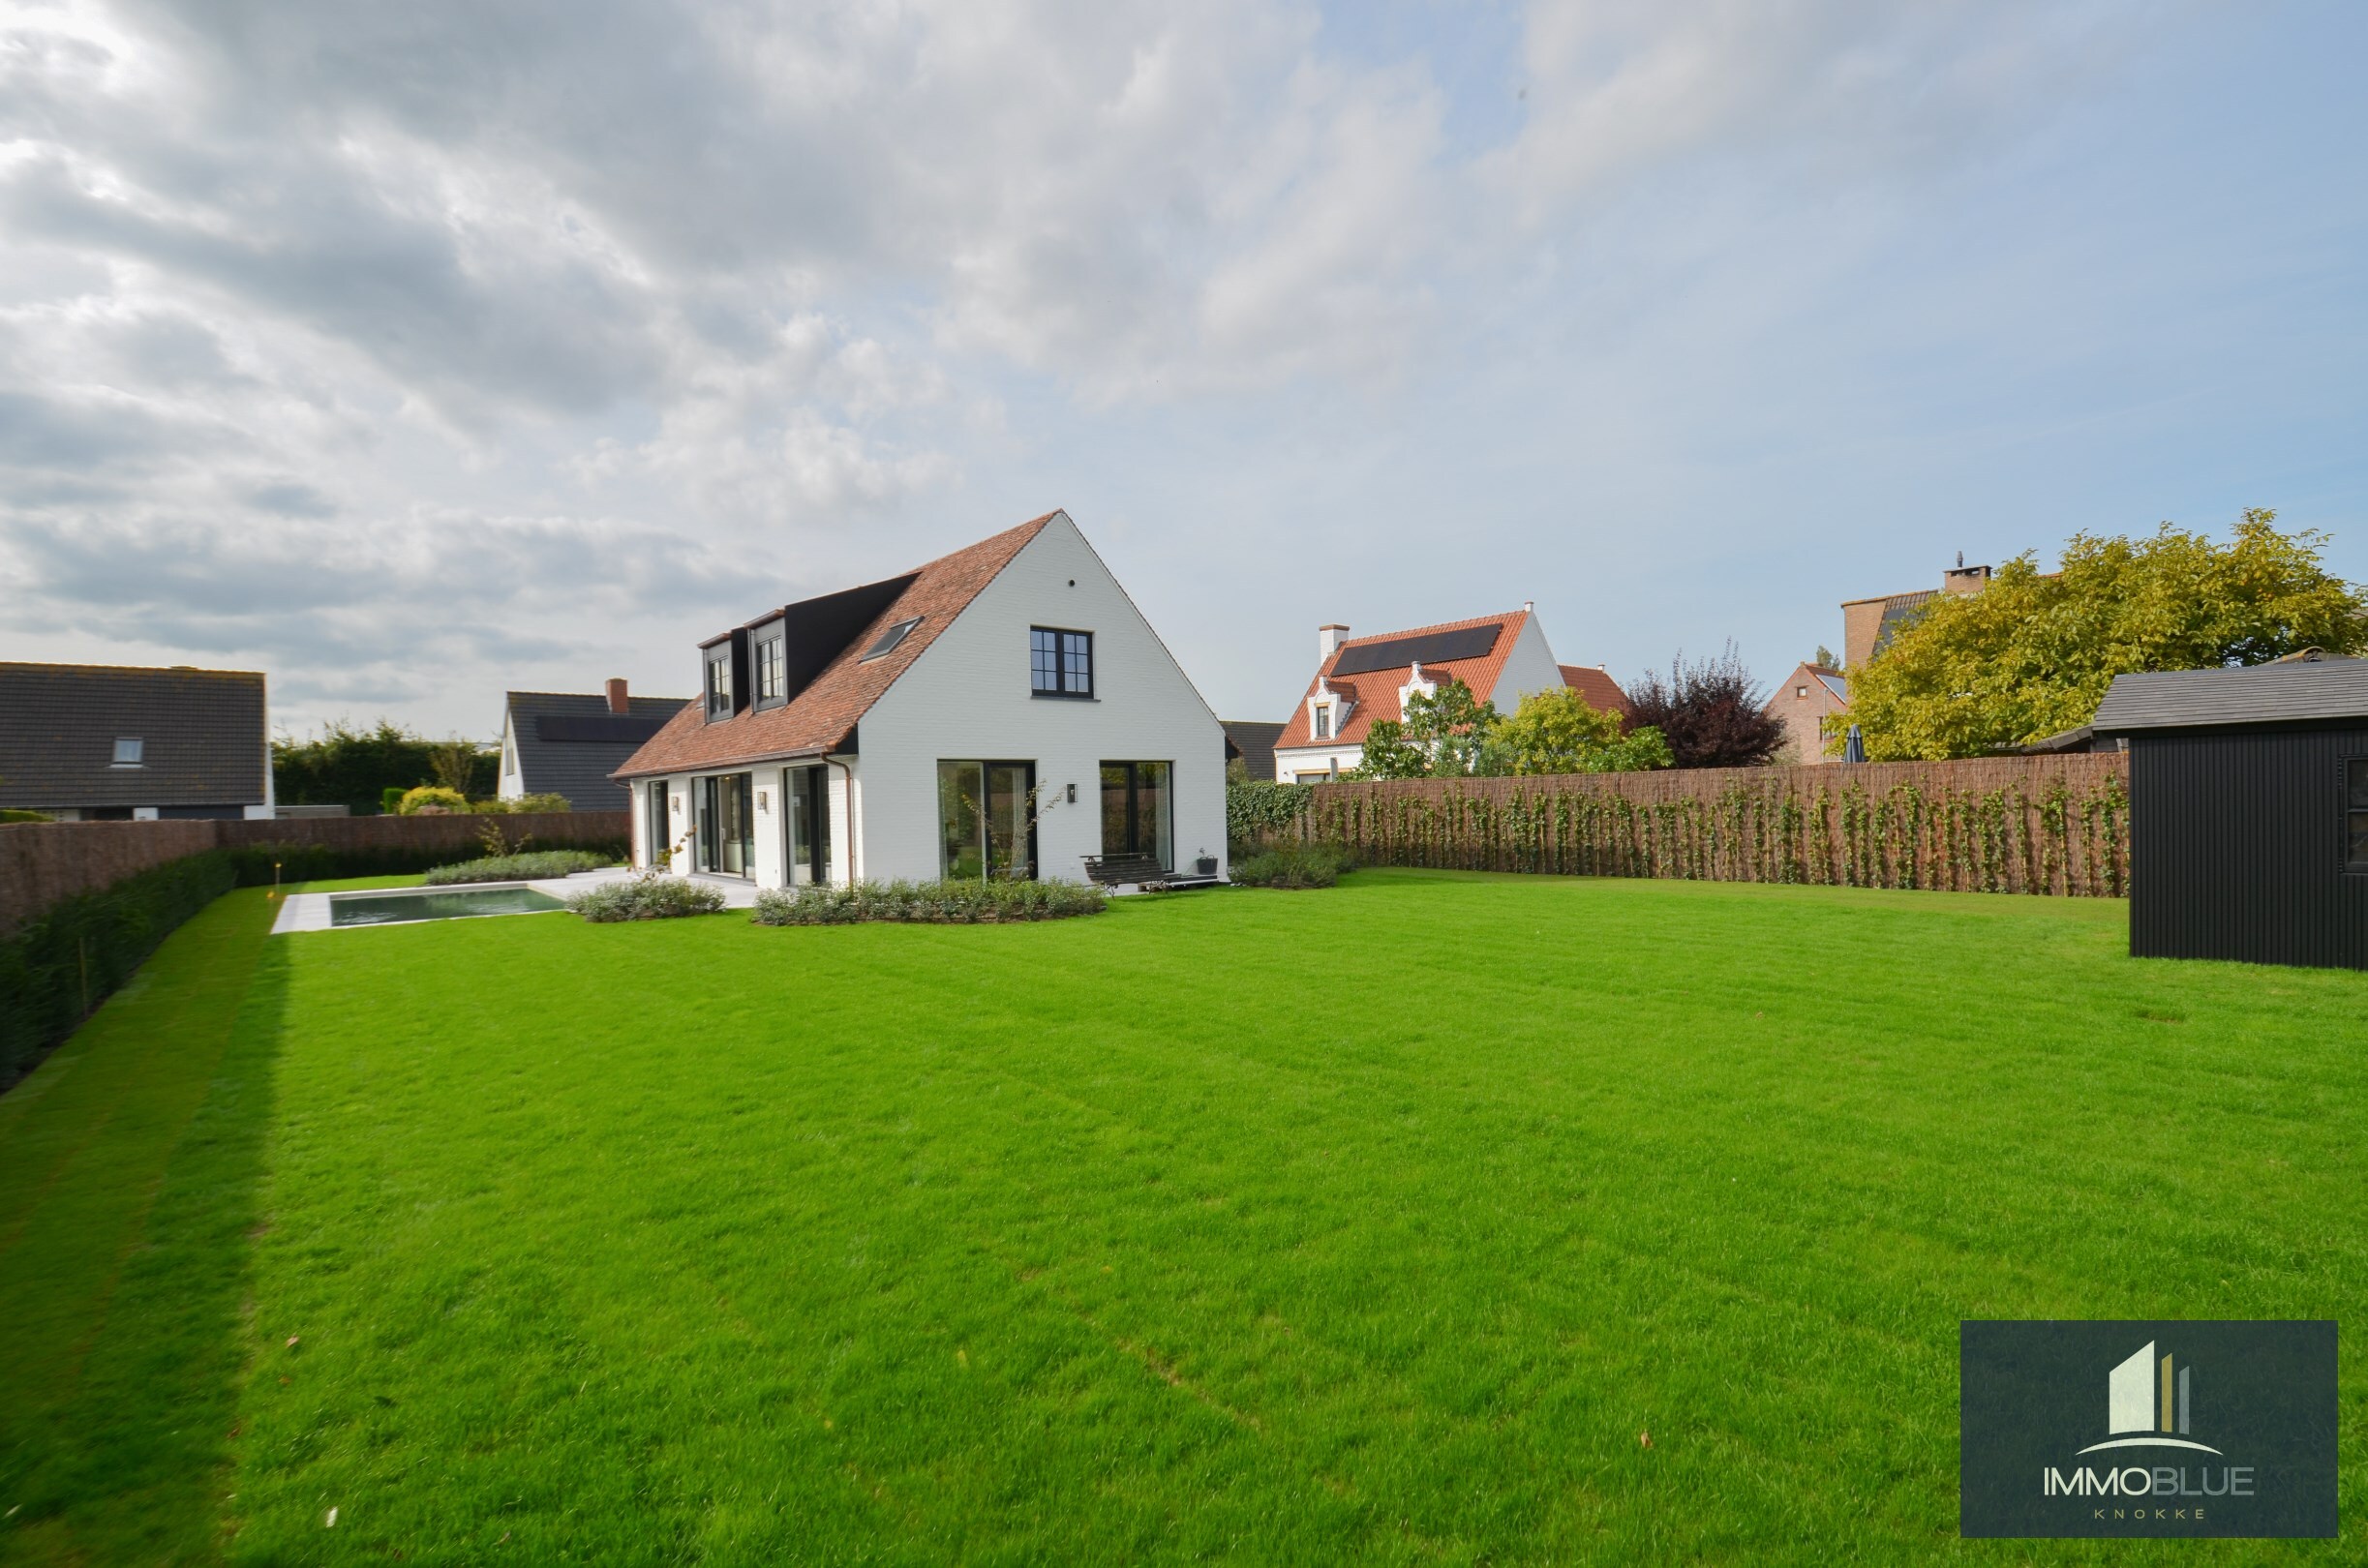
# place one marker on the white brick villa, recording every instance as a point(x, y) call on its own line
point(1005, 710)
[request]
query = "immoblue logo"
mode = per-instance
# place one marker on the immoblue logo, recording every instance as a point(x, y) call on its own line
point(2150, 1403)
point(2159, 1427)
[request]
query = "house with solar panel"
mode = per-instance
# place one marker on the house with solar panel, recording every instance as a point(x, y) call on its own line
point(1361, 680)
point(1003, 711)
point(568, 742)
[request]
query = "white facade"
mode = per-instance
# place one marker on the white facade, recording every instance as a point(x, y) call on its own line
point(968, 698)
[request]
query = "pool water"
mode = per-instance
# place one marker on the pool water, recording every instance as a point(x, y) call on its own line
point(437, 904)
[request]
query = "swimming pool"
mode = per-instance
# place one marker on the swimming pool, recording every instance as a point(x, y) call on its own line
point(436, 904)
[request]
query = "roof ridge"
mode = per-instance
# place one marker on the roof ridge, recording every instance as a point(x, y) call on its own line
point(131, 669)
point(1498, 619)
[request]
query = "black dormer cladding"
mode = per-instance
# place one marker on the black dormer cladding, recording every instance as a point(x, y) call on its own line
point(816, 631)
point(813, 632)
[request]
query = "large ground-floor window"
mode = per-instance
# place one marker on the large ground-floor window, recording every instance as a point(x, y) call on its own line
point(987, 820)
point(805, 796)
point(727, 825)
point(1138, 810)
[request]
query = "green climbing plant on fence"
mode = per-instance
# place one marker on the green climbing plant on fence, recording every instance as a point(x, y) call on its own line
point(2021, 825)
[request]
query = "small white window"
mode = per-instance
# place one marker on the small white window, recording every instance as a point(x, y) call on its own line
point(126, 750)
point(1801, 692)
point(1324, 723)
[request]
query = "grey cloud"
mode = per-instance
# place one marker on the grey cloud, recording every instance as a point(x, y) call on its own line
point(290, 497)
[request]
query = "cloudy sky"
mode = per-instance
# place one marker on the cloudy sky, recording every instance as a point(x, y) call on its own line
point(414, 351)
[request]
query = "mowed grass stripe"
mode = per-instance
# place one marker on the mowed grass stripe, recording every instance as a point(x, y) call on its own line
point(1373, 1224)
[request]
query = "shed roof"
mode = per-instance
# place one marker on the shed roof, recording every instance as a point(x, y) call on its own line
point(204, 735)
point(2288, 692)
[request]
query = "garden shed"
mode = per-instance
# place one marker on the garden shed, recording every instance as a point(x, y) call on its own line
point(2248, 811)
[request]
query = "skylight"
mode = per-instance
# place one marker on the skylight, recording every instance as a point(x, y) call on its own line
point(886, 643)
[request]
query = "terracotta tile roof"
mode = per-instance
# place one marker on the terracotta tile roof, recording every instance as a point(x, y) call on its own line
point(821, 717)
point(1374, 693)
point(1599, 690)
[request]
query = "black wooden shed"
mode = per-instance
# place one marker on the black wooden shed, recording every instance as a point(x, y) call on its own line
point(2248, 811)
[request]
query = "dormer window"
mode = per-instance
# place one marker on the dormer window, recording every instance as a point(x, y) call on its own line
point(128, 749)
point(719, 681)
point(1323, 721)
point(771, 671)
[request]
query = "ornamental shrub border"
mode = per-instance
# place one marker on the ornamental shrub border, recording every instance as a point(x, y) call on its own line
point(645, 897)
point(934, 903)
point(534, 865)
point(2044, 826)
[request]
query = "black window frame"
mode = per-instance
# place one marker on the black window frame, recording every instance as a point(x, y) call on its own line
point(2351, 813)
point(1068, 648)
point(140, 752)
point(716, 688)
point(771, 664)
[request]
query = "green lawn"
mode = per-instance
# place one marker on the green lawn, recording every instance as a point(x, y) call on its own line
point(1370, 1224)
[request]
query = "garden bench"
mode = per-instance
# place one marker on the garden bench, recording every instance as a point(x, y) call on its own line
point(1110, 870)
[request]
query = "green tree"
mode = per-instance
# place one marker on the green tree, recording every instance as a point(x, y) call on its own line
point(2032, 654)
point(356, 767)
point(1443, 735)
point(1557, 732)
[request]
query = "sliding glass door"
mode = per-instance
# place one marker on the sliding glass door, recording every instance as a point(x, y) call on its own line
point(1138, 811)
point(727, 827)
point(805, 793)
point(987, 820)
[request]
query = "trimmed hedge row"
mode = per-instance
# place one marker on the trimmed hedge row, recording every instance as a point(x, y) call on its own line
point(56, 969)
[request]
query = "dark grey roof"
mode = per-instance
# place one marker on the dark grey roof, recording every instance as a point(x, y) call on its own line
point(570, 742)
point(1254, 739)
point(2283, 693)
point(1898, 611)
point(205, 737)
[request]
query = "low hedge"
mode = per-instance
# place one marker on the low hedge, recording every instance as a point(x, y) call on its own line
point(645, 899)
point(1293, 865)
point(55, 970)
point(319, 863)
point(532, 866)
point(949, 903)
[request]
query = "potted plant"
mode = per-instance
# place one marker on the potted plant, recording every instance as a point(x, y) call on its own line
point(1206, 864)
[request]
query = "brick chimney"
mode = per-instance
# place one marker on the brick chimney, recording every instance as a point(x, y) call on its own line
point(1328, 638)
point(616, 702)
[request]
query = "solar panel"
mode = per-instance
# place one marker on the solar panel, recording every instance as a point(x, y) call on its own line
point(886, 643)
point(616, 729)
point(1431, 648)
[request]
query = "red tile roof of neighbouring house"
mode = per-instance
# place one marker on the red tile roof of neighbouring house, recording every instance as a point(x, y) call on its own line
point(1374, 693)
point(823, 716)
point(1599, 690)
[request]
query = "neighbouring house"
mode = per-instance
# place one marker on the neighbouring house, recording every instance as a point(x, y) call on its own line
point(2248, 810)
point(1252, 743)
point(1005, 710)
point(1802, 703)
point(1360, 681)
point(570, 743)
point(1866, 625)
point(95, 742)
